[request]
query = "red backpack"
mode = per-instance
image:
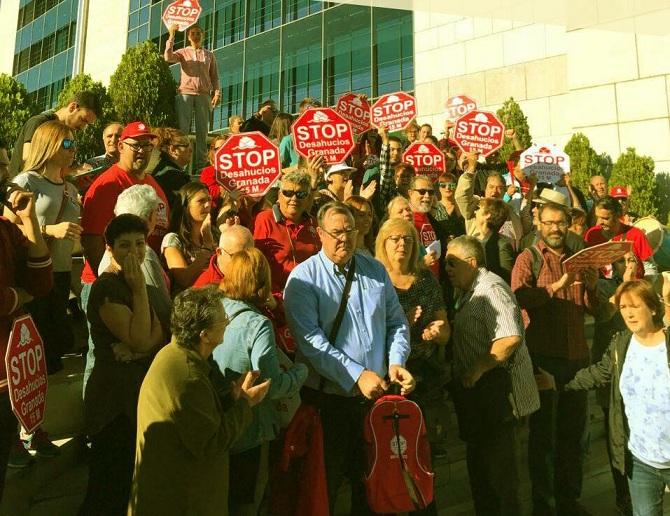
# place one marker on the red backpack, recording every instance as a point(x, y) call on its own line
point(397, 482)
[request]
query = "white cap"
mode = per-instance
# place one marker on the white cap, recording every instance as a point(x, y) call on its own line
point(340, 167)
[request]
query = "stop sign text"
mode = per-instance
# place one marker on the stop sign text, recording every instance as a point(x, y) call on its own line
point(479, 131)
point(395, 111)
point(323, 132)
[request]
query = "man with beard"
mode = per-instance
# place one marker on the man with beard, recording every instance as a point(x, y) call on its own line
point(495, 188)
point(554, 304)
point(608, 212)
point(421, 198)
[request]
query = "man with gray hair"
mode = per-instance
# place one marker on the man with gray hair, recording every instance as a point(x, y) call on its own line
point(351, 331)
point(233, 239)
point(286, 233)
point(493, 385)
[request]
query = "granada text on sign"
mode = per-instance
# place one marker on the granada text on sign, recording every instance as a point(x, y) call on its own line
point(479, 131)
point(356, 110)
point(248, 162)
point(26, 373)
point(182, 13)
point(395, 111)
point(323, 132)
point(548, 162)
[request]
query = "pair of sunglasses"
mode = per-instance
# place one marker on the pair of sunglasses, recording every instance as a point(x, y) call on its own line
point(69, 144)
point(450, 186)
point(300, 194)
point(424, 191)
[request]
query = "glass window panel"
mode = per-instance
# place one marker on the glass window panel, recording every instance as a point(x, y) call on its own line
point(301, 63)
point(59, 69)
point(296, 9)
point(392, 50)
point(32, 78)
point(143, 33)
point(70, 61)
point(132, 38)
point(229, 22)
point(50, 22)
point(261, 70)
point(230, 64)
point(134, 5)
point(134, 20)
point(63, 14)
point(144, 15)
point(348, 61)
point(156, 23)
point(263, 15)
point(46, 73)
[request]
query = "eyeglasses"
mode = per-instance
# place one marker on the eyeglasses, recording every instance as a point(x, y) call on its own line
point(450, 186)
point(396, 239)
point(424, 191)
point(137, 147)
point(452, 261)
point(300, 194)
point(69, 144)
point(342, 235)
point(549, 223)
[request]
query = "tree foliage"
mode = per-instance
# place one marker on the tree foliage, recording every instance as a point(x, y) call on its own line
point(512, 117)
point(15, 106)
point(142, 87)
point(663, 197)
point(89, 140)
point(638, 173)
point(585, 162)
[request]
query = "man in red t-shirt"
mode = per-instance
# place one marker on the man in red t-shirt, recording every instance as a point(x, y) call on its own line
point(421, 197)
point(233, 240)
point(286, 234)
point(609, 227)
point(135, 146)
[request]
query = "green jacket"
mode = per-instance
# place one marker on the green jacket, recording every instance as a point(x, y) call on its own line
point(183, 438)
point(608, 371)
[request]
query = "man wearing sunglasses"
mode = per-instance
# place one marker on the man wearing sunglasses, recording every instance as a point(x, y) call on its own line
point(421, 198)
point(81, 110)
point(286, 234)
point(135, 147)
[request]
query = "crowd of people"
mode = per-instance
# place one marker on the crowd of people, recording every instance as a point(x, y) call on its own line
point(209, 312)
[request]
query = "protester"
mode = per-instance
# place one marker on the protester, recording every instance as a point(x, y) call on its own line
point(175, 154)
point(366, 157)
point(249, 344)
point(390, 156)
point(281, 127)
point(597, 190)
point(235, 124)
point(142, 201)
point(262, 119)
point(57, 208)
point(498, 249)
point(421, 199)
point(425, 131)
point(399, 207)
point(555, 306)
point(286, 234)
point(411, 133)
point(608, 213)
point(208, 175)
point(495, 188)
point(110, 139)
point(635, 369)
point(125, 333)
point(620, 193)
point(348, 360)
point(364, 216)
point(198, 92)
point(446, 213)
point(26, 273)
point(493, 387)
point(233, 239)
point(79, 111)
point(189, 245)
point(183, 430)
point(397, 247)
point(338, 184)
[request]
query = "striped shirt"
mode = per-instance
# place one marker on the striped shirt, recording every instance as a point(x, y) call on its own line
point(486, 313)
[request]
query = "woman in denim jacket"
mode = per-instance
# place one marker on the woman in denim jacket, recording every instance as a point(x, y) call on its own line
point(249, 344)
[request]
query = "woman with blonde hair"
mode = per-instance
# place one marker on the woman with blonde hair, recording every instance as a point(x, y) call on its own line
point(57, 207)
point(397, 247)
point(249, 344)
point(281, 126)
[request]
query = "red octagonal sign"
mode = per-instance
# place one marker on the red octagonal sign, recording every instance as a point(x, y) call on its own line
point(395, 111)
point(247, 162)
point(356, 109)
point(323, 132)
point(26, 373)
point(479, 131)
point(426, 159)
point(182, 13)
point(459, 105)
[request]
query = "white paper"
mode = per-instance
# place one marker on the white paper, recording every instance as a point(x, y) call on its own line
point(434, 247)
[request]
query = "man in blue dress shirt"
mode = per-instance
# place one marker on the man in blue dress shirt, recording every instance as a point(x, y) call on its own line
point(372, 342)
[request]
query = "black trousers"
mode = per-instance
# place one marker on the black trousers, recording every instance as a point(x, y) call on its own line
point(50, 315)
point(557, 440)
point(8, 428)
point(493, 468)
point(110, 470)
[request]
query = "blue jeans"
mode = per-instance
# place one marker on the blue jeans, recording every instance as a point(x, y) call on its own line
point(83, 298)
point(201, 105)
point(647, 485)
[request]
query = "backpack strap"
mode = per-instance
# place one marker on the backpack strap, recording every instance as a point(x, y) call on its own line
point(536, 263)
point(412, 490)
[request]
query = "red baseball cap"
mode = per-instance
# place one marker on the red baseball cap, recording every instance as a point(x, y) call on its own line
point(135, 129)
point(619, 192)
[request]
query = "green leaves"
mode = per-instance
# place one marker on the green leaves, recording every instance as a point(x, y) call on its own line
point(16, 108)
point(585, 161)
point(142, 87)
point(637, 172)
point(512, 117)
